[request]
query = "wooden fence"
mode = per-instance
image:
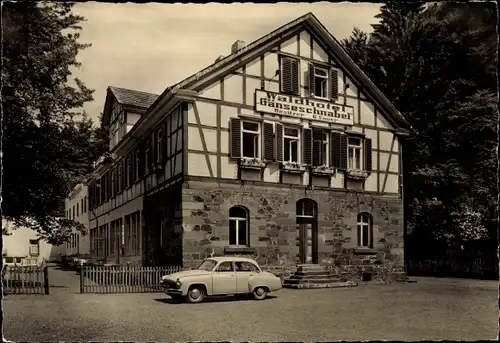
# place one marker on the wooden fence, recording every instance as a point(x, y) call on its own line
point(123, 279)
point(25, 280)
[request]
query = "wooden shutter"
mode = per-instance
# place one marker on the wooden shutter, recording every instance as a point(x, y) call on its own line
point(307, 146)
point(290, 70)
point(295, 76)
point(279, 142)
point(338, 150)
point(235, 138)
point(268, 142)
point(317, 135)
point(368, 154)
point(334, 84)
point(312, 85)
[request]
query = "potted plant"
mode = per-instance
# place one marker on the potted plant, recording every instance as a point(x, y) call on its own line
point(357, 174)
point(252, 163)
point(293, 167)
point(323, 170)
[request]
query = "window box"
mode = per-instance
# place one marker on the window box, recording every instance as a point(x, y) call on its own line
point(252, 163)
point(238, 249)
point(323, 170)
point(293, 167)
point(356, 174)
point(365, 251)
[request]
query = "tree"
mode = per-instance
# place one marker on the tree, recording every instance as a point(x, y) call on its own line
point(437, 64)
point(47, 141)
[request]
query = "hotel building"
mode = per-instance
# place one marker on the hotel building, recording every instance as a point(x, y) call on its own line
point(283, 150)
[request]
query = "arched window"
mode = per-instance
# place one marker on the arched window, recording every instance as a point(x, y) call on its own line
point(238, 226)
point(365, 230)
point(306, 208)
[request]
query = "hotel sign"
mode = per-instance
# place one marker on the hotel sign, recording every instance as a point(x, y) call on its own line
point(308, 109)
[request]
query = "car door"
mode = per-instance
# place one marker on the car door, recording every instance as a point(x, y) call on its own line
point(224, 279)
point(244, 270)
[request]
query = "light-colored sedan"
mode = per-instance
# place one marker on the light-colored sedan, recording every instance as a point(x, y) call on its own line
point(221, 276)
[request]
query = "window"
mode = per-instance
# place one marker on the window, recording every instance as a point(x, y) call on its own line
point(320, 148)
point(147, 159)
point(291, 144)
point(129, 171)
point(306, 208)
point(365, 234)
point(119, 179)
point(225, 267)
point(354, 153)
point(250, 140)
point(245, 267)
point(136, 166)
point(320, 83)
point(77, 209)
point(85, 202)
point(74, 212)
point(159, 145)
point(238, 226)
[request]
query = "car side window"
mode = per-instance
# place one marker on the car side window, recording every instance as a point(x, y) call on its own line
point(245, 267)
point(225, 267)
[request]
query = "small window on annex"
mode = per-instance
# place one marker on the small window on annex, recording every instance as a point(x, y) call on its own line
point(238, 226)
point(365, 231)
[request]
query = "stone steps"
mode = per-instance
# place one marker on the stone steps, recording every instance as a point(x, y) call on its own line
point(310, 276)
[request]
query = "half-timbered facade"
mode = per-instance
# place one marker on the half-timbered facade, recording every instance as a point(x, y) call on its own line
point(284, 150)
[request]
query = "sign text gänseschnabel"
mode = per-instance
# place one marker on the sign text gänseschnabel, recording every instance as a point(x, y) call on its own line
point(293, 106)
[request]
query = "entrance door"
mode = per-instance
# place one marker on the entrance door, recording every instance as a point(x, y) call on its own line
point(307, 231)
point(307, 248)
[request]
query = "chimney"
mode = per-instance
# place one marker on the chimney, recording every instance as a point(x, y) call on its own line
point(219, 58)
point(238, 45)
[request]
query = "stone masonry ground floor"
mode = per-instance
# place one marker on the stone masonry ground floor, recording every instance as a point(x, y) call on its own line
point(357, 232)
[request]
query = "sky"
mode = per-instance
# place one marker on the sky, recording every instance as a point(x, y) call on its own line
point(149, 47)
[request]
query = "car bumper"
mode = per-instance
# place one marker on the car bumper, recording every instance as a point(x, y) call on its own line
point(170, 291)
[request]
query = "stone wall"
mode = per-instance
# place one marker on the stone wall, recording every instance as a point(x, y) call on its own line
point(273, 231)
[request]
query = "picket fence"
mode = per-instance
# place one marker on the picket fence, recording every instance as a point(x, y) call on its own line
point(131, 279)
point(123, 279)
point(25, 280)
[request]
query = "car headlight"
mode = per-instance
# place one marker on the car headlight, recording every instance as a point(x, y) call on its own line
point(178, 283)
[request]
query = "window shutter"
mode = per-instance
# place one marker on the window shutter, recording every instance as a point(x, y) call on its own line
point(334, 84)
point(368, 154)
point(290, 75)
point(338, 150)
point(295, 76)
point(279, 142)
point(312, 88)
point(359, 228)
point(317, 136)
point(307, 145)
point(268, 142)
point(235, 138)
point(124, 174)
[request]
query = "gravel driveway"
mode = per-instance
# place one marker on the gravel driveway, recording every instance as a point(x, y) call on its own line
point(453, 309)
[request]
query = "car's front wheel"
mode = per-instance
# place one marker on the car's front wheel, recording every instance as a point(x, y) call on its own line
point(259, 293)
point(196, 294)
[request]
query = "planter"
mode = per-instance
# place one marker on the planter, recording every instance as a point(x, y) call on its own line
point(323, 170)
point(252, 163)
point(293, 167)
point(356, 174)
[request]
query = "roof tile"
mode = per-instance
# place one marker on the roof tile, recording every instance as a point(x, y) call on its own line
point(132, 97)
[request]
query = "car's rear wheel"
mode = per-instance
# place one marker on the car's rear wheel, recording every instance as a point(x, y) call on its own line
point(260, 293)
point(196, 294)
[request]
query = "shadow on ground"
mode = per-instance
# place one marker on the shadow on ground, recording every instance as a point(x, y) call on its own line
point(214, 299)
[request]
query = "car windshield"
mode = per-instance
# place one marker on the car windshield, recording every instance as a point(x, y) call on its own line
point(207, 265)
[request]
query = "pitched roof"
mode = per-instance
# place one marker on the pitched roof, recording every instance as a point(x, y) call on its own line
point(133, 98)
point(335, 49)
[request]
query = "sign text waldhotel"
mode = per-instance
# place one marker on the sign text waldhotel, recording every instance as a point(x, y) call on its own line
point(283, 150)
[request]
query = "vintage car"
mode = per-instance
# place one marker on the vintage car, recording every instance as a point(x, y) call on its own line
point(221, 276)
